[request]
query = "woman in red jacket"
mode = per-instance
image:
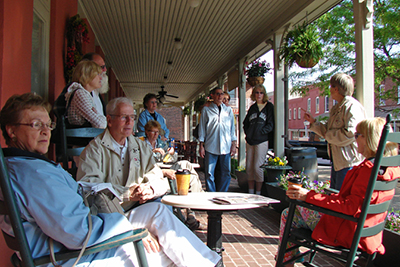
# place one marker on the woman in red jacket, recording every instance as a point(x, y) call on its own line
point(335, 231)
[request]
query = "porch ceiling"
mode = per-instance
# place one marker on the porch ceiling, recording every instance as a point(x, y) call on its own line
point(137, 37)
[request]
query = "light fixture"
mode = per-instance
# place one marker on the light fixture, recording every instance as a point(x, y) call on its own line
point(194, 3)
point(165, 78)
point(178, 43)
point(162, 99)
point(170, 67)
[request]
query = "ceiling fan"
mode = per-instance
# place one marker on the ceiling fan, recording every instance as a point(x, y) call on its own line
point(162, 94)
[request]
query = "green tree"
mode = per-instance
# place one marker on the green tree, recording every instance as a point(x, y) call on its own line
point(337, 34)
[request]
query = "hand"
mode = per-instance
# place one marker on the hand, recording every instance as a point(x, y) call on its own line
point(297, 192)
point(202, 151)
point(233, 149)
point(171, 150)
point(159, 150)
point(308, 117)
point(142, 193)
point(151, 244)
point(169, 173)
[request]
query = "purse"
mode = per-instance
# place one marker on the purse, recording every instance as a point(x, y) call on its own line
point(103, 201)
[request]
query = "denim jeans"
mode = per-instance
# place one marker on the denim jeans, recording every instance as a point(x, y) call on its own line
point(213, 183)
point(337, 177)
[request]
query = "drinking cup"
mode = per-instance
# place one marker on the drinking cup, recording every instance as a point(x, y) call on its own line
point(295, 181)
point(182, 181)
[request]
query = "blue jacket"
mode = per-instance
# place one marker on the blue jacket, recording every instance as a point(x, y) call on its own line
point(51, 206)
point(144, 117)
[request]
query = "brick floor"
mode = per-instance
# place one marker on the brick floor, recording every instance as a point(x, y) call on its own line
point(250, 237)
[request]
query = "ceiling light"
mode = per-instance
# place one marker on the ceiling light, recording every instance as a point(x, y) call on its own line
point(170, 67)
point(162, 99)
point(165, 79)
point(194, 3)
point(178, 43)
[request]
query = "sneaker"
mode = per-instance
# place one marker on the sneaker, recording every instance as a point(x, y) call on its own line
point(196, 225)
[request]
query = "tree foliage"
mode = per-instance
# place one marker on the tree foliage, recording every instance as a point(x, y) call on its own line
point(337, 34)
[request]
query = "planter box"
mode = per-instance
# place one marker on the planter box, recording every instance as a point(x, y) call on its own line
point(274, 171)
point(391, 241)
point(242, 180)
point(272, 190)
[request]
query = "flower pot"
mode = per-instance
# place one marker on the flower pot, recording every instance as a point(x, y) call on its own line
point(391, 241)
point(242, 180)
point(306, 63)
point(253, 81)
point(275, 171)
point(272, 190)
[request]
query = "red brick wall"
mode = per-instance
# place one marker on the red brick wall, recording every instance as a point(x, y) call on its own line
point(174, 119)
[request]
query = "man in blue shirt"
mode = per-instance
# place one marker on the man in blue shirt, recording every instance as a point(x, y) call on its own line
point(217, 141)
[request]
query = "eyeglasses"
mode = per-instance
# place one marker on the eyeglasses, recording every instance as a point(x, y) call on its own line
point(259, 93)
point(153, 102)
point(103, 67)
point(124, 118)
point(356, 135)
point(153, 132)
point(38, 125)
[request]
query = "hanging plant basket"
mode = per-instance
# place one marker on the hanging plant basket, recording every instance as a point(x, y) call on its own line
point(253, 81)
point(303, 63)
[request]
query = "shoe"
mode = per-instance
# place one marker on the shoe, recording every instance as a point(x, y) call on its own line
point(196, 225)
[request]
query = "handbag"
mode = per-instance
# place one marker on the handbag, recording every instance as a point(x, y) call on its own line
point(104, 201)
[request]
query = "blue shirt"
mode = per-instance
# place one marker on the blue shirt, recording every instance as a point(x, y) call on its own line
point(217, 129)
point(144, 117)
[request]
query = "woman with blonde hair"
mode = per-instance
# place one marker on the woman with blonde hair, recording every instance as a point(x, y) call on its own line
point(336, 231)
point(80, 107)
point(258, 127)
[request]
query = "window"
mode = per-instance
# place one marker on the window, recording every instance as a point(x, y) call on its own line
point(309, 105)
point(326, 103)
point(290, 114)
point(381, 93)
point(334, 102)
point(398, 94)
point(317, 104)
point(299, 114)
point(294, 113)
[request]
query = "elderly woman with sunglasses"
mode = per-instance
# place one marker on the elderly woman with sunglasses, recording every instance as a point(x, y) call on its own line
point(258, 126)
point(81, 109)
point(336, 231)
point(52, 207)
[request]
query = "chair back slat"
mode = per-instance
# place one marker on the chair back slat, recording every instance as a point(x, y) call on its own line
point(394, 137)
point(379, 208)
point(391, 161)
point(14, 213)
point(385, 185)
point(373, 230)
point(74, 151)
point(87, 132)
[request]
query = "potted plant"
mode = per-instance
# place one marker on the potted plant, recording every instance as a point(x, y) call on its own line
point(275, 167)
point(277, 190)
point(256, 70)
point(391, 240)
point(241, 176)
point(199, 103)
point(302, 45)
point(186, 110)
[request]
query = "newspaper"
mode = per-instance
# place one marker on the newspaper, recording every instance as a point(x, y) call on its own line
point(242, 199)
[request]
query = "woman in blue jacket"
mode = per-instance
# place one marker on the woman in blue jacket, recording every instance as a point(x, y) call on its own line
point(258, 126)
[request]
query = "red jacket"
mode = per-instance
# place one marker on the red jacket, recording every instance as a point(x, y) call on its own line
point(335, 231)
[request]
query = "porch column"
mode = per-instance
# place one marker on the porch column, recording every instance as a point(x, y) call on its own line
point(279, 97)
point(221, 82)
point(190, 126)
point(242, 112)
point(363, 11)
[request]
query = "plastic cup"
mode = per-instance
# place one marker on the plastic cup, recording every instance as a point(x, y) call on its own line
point(295, 181)
point(182, 181)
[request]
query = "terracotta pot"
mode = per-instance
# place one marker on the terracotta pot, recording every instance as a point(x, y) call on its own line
point(253, 81)
point(306, 64)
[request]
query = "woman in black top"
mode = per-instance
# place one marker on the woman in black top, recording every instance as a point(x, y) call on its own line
point(258, 127)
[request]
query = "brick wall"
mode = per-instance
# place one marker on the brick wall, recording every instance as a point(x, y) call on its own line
point(174, 121)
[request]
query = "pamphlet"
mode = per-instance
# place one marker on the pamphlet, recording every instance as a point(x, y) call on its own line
point(243, 199)
point(97, 187)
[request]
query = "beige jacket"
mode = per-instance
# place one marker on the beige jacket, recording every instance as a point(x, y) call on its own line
point(339, 132)
point(99, 163)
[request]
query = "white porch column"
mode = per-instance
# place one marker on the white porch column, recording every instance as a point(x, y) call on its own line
point(279, 96)
point(242, 112)
point(190, 126)
point(363, 11)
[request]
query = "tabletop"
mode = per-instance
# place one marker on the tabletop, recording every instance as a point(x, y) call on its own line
point(163, 165)
point(204, 201)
